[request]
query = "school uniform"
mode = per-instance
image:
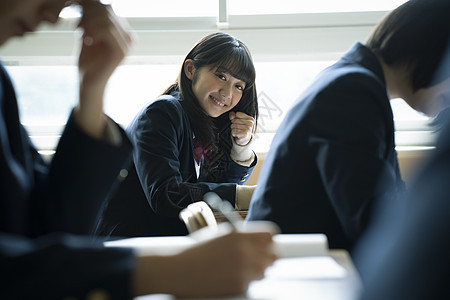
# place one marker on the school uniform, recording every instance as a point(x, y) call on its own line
point(40, 205)
point(163, 178)
point(404, 252)
point(321, 172)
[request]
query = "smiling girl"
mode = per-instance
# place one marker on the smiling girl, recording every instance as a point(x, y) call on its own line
point(193, 139)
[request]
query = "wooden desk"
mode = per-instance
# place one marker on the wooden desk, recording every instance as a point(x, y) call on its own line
point(220, 218)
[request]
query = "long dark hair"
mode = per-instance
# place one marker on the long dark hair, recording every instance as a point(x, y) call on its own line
point(414, 35)
point(225, 52)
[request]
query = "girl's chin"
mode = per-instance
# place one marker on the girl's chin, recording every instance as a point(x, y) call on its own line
point(214, 115)
point(215, 112)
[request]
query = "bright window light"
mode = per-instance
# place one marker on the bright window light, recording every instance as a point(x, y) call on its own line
point(202, 8)
point(252, 7)
point(146, 8)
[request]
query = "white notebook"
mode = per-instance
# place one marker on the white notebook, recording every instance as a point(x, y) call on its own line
point(301, 256)
point(288, 245)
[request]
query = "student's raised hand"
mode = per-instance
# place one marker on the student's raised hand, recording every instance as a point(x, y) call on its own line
point(105, 43)
point(241, 127)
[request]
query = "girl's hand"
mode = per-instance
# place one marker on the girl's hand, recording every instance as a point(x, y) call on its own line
point(242, 126)
point(106, 42)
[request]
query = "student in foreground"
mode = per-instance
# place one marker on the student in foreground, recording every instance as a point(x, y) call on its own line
point(45, 210)
point(404, 252)
point(193, 139)
point(323, 168)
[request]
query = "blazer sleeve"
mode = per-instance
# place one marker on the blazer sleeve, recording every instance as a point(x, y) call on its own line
point(164, 160)
point(352, 157)
point(63, 266)
point(230, 171)
point(82, 173)
point(404, 253)
point(227, 170)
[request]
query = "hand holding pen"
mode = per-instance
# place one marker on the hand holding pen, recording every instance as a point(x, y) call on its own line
point(225, 209)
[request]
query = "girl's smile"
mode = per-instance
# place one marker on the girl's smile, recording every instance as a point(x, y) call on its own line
point(217, 102)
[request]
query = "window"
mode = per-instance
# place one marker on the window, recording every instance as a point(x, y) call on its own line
point(151, 9)
point(172, 8)
point(252, 7)
point(290, 43)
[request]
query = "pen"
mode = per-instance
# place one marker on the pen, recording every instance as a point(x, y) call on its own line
point(223, 207)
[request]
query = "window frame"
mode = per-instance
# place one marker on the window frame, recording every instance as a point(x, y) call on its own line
point(166, 40)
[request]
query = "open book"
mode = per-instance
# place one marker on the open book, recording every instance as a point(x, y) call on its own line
point(301, 256)
point(299, 245)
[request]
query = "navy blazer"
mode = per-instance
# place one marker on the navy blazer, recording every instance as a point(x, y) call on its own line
point(321, 172)
point(162, 180)
point(38, 200)
point(404, 253)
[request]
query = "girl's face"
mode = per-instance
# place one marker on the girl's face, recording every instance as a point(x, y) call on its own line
point(217, 91)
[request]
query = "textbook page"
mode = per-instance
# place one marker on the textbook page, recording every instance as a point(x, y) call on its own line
point(296, 245)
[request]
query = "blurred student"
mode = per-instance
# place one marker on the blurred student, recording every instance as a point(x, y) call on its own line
point(322, 171)
point(193, 139)
point(404, 253)
point(42, 207)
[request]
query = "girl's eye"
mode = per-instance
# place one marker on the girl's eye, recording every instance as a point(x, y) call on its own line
point(221, 76)
point(240, 87)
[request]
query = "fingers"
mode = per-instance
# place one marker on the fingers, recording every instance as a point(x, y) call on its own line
point(257, 254)
point(224, 265)
point(239, 116)
point(100, 25)
point(242, 126)
point(106, 41)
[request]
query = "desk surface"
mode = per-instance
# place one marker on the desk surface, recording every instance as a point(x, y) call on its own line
point(331, 277)
point(345, 287)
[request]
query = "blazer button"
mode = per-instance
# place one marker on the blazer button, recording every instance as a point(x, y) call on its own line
point(123, 174)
